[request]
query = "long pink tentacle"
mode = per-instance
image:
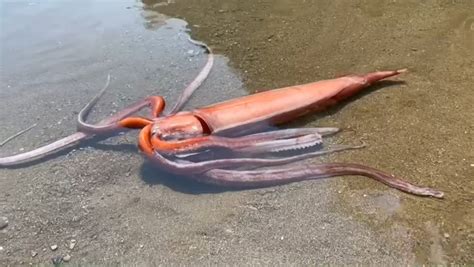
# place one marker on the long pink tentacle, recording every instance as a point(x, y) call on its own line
point(67, 141)
point(186, 94)
point(279, 140)
point(43, 151)
point(300, 172)
point(211, 172)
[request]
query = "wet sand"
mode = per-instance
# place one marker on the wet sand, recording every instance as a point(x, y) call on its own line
point(422, 130)
point(121, 210)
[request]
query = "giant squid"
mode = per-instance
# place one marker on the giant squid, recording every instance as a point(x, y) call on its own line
point(181, 142)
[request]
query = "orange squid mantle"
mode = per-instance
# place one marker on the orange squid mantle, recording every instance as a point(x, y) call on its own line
point(273, 106)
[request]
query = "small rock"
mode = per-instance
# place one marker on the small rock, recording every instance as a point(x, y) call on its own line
point(141, 245)
point(3, 222)
point(67, 258)
point(57, 260)
point(472, 164)
point(72, 244)
point(33, 253)
point(1, 248)
point(54, 247)
point(446, 235)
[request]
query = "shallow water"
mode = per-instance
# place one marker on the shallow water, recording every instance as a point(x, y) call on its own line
point(54, 56)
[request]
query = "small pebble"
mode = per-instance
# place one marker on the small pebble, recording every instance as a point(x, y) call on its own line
point(446, 235)
point(141, 245)
point(67, 258)
point(54, 247)
point(57, 260)
point(34, 253)
point(191, 53)
point(3, 222)
point(472, 164)
point(1, 248)
point(72, 244)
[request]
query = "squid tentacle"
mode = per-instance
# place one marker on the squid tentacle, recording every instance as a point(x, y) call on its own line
point(196, 83)
point(294, 143)
point(67, 141)
point(279, 140)
point(82, 115)
point(212, 171)
point(156, 103)
point(179, 166)
point(300, 172)
point(44, 151)
point(287, 139)
point(282, 133)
